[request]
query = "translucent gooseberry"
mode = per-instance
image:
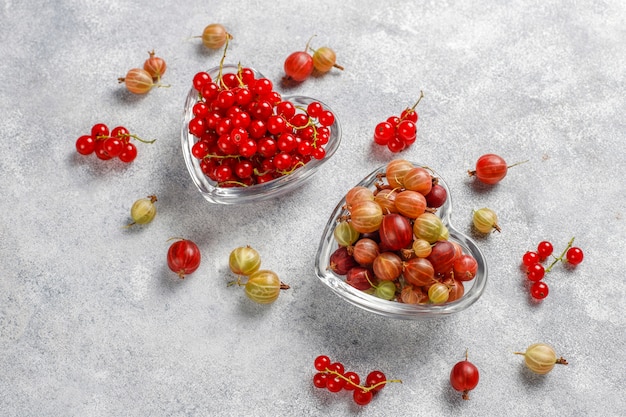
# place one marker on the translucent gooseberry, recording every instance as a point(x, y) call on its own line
point(244, 260)
point(215, 36)
point(364, 251)
point(485, 220)
point(395, 231)
point(410, 204)
point(396, 170)
point(385, 290)
point(387, 266)
point(183, 257)
point(155, 66)
point(358, 194)
point(437, 196)
point(360, 278)
point(366, 216)
point(540, 358)
point(345, 234)
point(465, 267)
point(324, 59)
point(341, 261)
point(419, 272)
point(464, 377)
point(386, 199)
point(442, 256)
point(143, 210)
point(137, 81)
point(264, 286)
point(491, 168)
point(428, 227)
point(438, 293)
point(418, 179)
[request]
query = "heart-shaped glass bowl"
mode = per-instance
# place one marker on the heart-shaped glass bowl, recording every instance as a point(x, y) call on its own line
point(258, 192)
point(395, 309)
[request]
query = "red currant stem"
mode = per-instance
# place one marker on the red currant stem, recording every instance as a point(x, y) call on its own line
point(296, 166)
point(364, 389)
point(219, 74)
point(560, 258)
point(239, 183)
point(216, 156)
point(128, 135)
point(418, 100)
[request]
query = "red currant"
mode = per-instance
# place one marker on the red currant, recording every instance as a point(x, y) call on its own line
point(99, 131)
point(536, 272)
point(383, 132)
point(334, 383)
point(362, 397)
point(129, 153)
point(326, 118)
point(321, 362)
point(376, 379)
point(200, 80)
point(544, 249)
point(85, 145)
point(539, 290)
point(574, 255)
point(351, 381)
point(320, 379)
point(530, 258)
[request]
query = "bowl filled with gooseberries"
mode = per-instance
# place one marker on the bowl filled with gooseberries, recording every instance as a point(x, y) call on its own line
point(390, 248)
point(244, 142)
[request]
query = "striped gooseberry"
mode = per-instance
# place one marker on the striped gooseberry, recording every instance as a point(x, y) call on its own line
point(418, 179)
point(438, 293)
point(437, 196)
point(465, 267)
point(244, 260)
point(324, 59)
point(365, 250)
point(358, 194)
point(155, 66)
point(143, 210)
point(396, 170)
point(345, 234)
point(387, 266)
point(442, 257)
point(183, 257)
point(540, 358)
point(395, 231)
point(410, 204)
point(360, 278)
point(214, 36)
point(263, 286)
point(491, 169)
point(421, 248)
point(428, 226)
point(385, 290)
point(137, 81)
point(419, 272)
point(366, 217)
point(485, 220)
point(413, 295)
point(386, 199)
point(456, 288)
point(341, 261)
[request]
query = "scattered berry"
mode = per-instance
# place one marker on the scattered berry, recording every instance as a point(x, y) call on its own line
point(215, 36)
point(333, 377)
point(540, 358)
point(183, 257)
point(325, 59)
point(138, 81)
point(464, 377)
point(485, 220)
point(298, 65)
point(155, 66)
point(262, 286)
point(491, 169)
point(143, 210)
point(398, 133)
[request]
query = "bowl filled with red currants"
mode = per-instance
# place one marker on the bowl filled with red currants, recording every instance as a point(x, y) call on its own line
point(243, 142)
point(390, 248)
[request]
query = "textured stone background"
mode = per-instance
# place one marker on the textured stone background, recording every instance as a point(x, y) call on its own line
point(92, 323)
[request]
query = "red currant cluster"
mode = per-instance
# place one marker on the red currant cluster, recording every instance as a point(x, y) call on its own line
point(107, 145)
point(398, 133)
point(535, 271)
point(333, 377)
point(248, 135)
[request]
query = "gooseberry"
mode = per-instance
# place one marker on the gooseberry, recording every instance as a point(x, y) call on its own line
point(485, 220)
point(137, 81)
point(395, 231)
point(324, 59)
point(387, 266)
point(183, 257)
point(540, 358)
point(365, 250)
point(263, 286)
point(344, 234)
point(341, 261)
point(366, 217)
point(143, 210)
point(155, 66)
point(438, 293)
point(464, 377)
point(428, 226)
point(215, 36)
point(244, 260)
point(491, 169)
point(418, 179)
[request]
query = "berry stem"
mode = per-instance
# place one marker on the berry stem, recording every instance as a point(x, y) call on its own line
point(560, 258)
point(363, 388)
point(418, 100)
point(219, 74)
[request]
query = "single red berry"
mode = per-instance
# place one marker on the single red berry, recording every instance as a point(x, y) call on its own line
point(362, 397)
point(321, 362)
point(85, 145)
point(383, 132)
point(530, 258)
point(536, 272)
point(374, 378)
point(351, 381)
point(319, 380)
point(129, 153)
point(539, 290)
point(99, 131)
point(334, 383)
point(336, 367)
point(544, 249)
point(574, 255)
